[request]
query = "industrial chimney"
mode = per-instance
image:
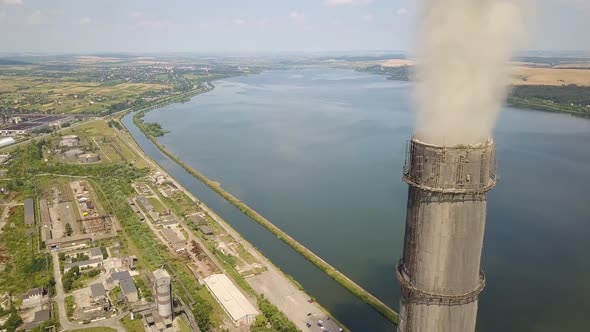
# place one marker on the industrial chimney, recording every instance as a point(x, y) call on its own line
point(163, 293)
point(439, 274)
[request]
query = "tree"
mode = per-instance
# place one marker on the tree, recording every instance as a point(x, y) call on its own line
point(69, 229)
point(202, 313)
point(13, 322)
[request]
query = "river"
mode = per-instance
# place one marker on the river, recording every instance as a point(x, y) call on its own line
point(319, 152)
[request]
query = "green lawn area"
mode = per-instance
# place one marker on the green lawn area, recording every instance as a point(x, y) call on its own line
point(158, 207)
point(183, 324)
point(24, 262)
point(132, 325)
point(95, 329)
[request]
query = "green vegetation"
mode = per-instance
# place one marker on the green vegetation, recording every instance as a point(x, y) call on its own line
point(402, 73)
point(158, 207)
point(566, 98)
point(144, 291)
point(95, 329)
point(68, 279)
point(183, 324)
point(13, 321)
point(271, 314)
point(69, 229)
point(132, 325)
point(112, 187)
point(70, 305)
point(105, 254)
point(153, 128)
point(20, 252)
point(354, 288)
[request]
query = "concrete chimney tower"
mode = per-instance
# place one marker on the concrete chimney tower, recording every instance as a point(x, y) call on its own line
point(440, 273)
point(163, 293)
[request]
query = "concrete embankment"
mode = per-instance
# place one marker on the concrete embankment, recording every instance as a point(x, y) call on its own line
point(353, 287)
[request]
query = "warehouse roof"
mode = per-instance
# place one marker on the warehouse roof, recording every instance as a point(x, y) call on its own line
point(83, 263)
point(97, 290)
point(127, 286)
point(29, 212)
point(95, 252)
point(121, 275)
point(172, 237)
point(230, 297)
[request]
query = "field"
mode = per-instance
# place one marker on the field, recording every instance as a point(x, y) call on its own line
point(61, 95)
point(106, 142)
point(525, 75)
point(19, 251)
point(132, 325)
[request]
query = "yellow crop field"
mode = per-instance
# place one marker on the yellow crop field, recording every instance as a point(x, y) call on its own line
point(525, 75)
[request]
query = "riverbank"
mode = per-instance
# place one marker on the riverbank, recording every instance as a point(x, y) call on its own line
point(273, 285)
point(339, 277)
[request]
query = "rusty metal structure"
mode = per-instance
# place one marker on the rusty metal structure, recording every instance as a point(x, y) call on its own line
point(439, 273)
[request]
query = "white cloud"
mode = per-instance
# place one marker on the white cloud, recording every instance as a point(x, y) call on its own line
point(347, 2)
point(136, 14)
point(37, 17)
point(204, 27)
point(239, 21)
point(85, 20)
point(297, 17)
point(368, 18)
point(156, 24)
point(402, 11)
point(262, 22)
point(13, 2)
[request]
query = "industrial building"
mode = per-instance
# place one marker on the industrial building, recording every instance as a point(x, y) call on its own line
point(27, 123)
point(235, 304)
point(73, 154)
point(89, 158)
point(439, 273)
point(34, 297)
point(97, 291)
point(69, 141)
point(29, 212)
point(125, 282)
point(92, 253)
point(145, 203)
point(6, 141)
point(163, 293)
point(40, 317)
point(173, 238)
point(87, 264)
point(129, 290)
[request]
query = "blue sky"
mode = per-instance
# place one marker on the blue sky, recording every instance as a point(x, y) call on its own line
point(247, 25)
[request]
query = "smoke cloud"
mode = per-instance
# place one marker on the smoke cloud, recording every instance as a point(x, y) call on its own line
point(463, 72)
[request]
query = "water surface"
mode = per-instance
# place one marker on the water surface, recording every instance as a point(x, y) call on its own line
point(320, 152)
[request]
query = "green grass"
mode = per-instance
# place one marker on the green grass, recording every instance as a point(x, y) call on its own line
point(24, 261)
point(183, 324)
point(158, 207)
point(132, 325)
point(95, 329)
point(70, 305)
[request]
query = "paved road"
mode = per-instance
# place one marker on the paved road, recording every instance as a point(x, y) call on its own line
point(275, 286)
point(279, 290)
point(65, 323)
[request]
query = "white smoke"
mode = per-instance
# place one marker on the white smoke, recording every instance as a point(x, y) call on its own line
point(462, 73)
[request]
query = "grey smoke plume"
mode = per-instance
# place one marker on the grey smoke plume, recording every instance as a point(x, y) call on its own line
point(462, 72)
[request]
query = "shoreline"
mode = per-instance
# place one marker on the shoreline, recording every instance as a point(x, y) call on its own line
point(328, 269)
point(226, 226)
